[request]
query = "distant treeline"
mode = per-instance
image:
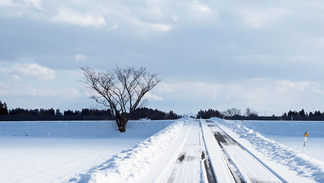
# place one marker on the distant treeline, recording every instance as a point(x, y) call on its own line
point(57, 112)
point(153, 114)
point(235, 114)
point(20, 114)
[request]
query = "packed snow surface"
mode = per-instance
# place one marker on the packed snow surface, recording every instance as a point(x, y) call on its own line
point(272, 151)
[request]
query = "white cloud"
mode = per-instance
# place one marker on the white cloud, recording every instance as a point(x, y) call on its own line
point(80, 57)
point(4, 3)
point(62, 92)
point(259, 18)
point(150, 96)
point(22, 3)
point(287, 46)
point(284, 86)
point(160, 27)
point(34, 3)
point(260, 94)
point(156, 12)
point(199, 9)
point(175, 18)
point(20, 71)
point(33, 80)
point(199, 14)
point(80, 1)
point(193, 90)
point(77, 18)
point(38, 91)
point(152, 17)
point(150, 26)
point(278, 95)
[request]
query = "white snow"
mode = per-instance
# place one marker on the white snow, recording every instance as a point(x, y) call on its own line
point(290, 162)
point(214, 152)
point(57, 151)
point(291, 134)
point(248, 166)
point(133, 164)
point(149, 150)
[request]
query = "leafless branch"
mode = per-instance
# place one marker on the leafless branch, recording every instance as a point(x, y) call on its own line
point(121, 90)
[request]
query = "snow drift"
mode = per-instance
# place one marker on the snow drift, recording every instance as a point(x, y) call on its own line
point(295, 160)
point(131, 165)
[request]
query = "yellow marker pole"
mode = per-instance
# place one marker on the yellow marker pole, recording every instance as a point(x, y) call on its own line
point(305, 140)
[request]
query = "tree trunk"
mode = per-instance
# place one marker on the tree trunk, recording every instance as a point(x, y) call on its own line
point(123, 128)
point(121, 123)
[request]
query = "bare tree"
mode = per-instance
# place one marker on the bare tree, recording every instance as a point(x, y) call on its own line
point(250, 113)
point(232, 112)
point(121, 90)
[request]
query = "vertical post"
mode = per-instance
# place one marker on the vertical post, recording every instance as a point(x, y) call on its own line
point(305, 140)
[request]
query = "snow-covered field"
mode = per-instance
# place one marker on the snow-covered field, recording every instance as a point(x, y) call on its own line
point(149, 150)
point(291, 134)
point(56, 151)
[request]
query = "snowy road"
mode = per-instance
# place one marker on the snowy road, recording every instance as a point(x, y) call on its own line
point(185, 150)
point(248, 167)
point(188, 164)
point(204, 151)
point(217, 158)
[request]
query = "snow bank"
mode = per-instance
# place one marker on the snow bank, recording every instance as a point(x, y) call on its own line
point(133, 164)
point(295, 160)
point(81, 129)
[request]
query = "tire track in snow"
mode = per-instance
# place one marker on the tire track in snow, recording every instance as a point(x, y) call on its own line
point(245, 167)
point(209, 171)
point(190, 161)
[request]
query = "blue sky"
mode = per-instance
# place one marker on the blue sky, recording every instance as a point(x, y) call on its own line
point(265, 55)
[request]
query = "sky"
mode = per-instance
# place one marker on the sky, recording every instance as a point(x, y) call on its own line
point(263, 55)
